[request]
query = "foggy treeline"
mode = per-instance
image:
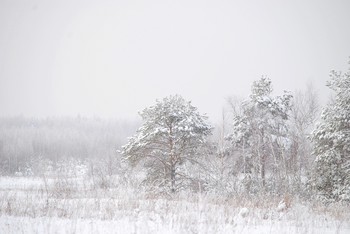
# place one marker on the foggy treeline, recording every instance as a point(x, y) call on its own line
point(34, 146)
point(29, 146)
point(268, 153)
point(264, 143)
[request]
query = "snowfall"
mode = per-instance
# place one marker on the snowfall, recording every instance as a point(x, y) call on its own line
point(76, 205)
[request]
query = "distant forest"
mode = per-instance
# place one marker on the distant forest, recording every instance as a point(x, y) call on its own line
point(28, 143)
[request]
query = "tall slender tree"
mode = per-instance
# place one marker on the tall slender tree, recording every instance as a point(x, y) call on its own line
point(259, 129)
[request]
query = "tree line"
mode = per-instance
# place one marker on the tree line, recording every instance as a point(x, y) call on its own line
point(273, 145)
point(266, 143)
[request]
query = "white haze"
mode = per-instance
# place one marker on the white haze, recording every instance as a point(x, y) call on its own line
point(113, 58)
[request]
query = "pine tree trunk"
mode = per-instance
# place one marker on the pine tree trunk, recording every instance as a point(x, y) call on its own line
point(262, 170)
point(172, 161)
point(173, 179)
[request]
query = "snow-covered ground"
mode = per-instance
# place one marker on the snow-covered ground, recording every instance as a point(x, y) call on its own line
point(37, 205)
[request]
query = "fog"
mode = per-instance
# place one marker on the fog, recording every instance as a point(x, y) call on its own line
point(114, 58)
point(75, 156)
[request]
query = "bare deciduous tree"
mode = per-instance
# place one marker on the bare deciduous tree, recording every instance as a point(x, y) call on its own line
point(305, 109)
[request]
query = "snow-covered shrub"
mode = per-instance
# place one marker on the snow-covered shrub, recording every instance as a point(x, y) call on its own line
point(24, 171)
point(71, 167)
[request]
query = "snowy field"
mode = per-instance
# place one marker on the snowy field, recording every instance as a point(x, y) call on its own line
point(78, 205)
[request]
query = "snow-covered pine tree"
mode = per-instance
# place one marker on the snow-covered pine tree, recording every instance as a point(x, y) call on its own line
point(171, 135)
point(259, 130)
point(331, 140)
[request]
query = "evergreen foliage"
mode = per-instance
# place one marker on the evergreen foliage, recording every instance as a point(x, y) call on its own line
point(259, 131)
point(171, 135)
point(331, 140)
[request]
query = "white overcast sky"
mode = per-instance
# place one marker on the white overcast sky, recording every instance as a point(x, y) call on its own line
point(114, 58)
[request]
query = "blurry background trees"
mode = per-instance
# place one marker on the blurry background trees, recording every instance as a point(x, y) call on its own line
point(29, 142)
